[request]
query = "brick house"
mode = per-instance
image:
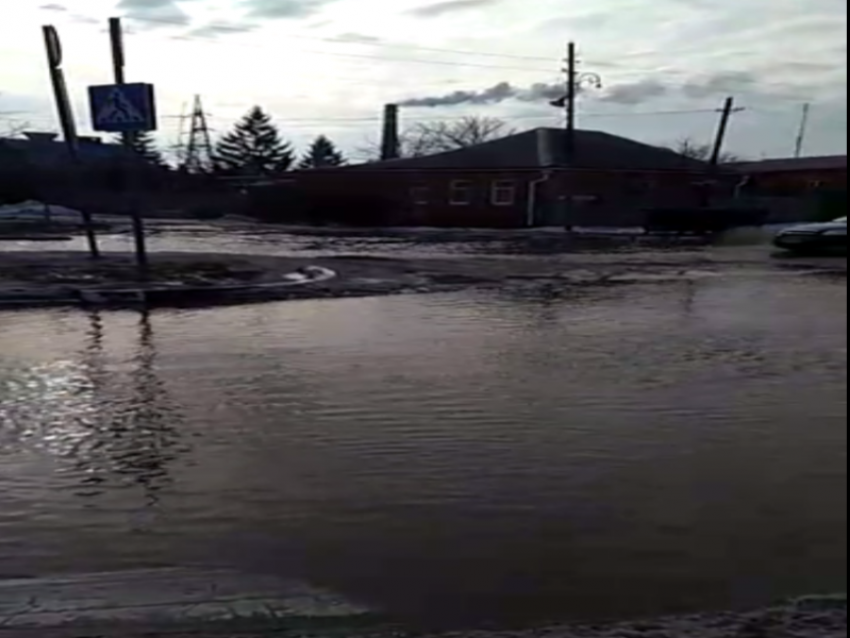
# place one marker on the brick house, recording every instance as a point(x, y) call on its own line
point(526, 180)
point(794, 177)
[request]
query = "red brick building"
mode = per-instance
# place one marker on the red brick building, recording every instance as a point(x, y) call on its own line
point(526, 179)
point(795, 176)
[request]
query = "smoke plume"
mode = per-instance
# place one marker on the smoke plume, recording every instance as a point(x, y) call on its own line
point(626, 94)
point(497, 94)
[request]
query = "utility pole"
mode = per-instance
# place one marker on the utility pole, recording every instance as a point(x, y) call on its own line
point(116, 34)
point(575, 82)
point(572, 99)
point(726, 117)
point(726, 114)
point(66, 118)
point(804, 129)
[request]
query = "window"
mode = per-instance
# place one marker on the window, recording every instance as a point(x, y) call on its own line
point(460, 193)
point(504, 193)
point(421, 195)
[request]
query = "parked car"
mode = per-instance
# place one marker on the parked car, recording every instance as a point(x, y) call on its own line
point(814, 237)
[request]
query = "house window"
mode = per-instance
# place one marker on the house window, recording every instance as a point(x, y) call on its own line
point(460, 193)
point(421, 195)
point(504, 193)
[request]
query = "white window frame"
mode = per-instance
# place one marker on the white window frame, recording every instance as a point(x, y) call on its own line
point(466, 187)
point(501, 187)
point(421, 195)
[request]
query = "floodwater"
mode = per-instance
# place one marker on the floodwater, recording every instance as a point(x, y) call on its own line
point(482, 455)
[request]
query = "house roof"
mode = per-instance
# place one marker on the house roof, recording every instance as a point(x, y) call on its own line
point(792, 164)
point(44, 150)
point(547, 148)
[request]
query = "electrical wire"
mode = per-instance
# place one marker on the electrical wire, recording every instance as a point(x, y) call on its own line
point(356, 122)
point(222, 27)
point(364, 56)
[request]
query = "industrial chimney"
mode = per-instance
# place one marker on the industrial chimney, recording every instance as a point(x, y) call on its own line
point(390, 142)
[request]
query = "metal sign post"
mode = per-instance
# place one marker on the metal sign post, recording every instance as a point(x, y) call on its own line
point(66, 118)
point(127, 109)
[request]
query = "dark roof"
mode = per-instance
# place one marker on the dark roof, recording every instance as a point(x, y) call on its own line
point(45, 151)
point(547, 148)
point(791, 164)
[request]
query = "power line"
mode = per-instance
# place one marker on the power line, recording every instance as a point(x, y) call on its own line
point(190, 37)
point(364, 56)
point(236, 30)
point(222, 27)
point(369, 119)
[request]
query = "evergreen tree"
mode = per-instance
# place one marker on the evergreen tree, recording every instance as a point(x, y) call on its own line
point(322, 154)
point(254, 148)
point(144, 145)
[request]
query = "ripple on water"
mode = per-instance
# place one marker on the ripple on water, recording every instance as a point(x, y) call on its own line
point(631, 450)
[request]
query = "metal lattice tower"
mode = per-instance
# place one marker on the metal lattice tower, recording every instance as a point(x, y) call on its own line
point(197, 155)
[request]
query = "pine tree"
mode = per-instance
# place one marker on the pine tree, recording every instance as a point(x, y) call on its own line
point(144, 145)
point(254, 148)
point(322, 154)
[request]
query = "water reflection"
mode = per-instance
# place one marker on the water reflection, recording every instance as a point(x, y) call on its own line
point(106, 425)
point(135, 437)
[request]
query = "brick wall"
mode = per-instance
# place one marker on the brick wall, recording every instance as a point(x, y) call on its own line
point(431, 198)
point(798, 183)
point(500, 198)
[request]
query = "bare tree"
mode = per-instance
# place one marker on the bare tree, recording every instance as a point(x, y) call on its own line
point(429, 138)
point(703, 152)
point(439, 137)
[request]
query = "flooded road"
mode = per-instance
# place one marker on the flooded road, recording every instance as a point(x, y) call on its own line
point(509, 455)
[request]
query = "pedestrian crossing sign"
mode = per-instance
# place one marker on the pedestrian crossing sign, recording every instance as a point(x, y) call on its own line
point(123, 108)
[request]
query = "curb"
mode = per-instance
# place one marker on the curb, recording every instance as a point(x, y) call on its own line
point(169, 597)
point(169, 295)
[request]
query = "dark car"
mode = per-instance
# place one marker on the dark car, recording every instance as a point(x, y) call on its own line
point(814, 237)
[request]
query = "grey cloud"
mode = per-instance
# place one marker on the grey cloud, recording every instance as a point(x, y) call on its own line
point(543, 92)
point(450, 6)
point(720, 83)
point(284, 9)
point(84, 19)
point(79, 18)
point(146, 5)
point(635, 93)
point(155, 13)
point(357, 38)
point(215, 30)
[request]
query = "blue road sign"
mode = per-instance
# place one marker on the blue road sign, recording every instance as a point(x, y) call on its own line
point(123, 108)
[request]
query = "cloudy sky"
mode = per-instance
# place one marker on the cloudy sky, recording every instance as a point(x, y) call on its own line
point(328, 66)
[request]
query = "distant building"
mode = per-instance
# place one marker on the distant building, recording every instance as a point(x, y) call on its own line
point(528, 179)
point(795, 176)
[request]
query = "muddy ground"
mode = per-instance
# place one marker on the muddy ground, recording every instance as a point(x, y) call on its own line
point(54, 273)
